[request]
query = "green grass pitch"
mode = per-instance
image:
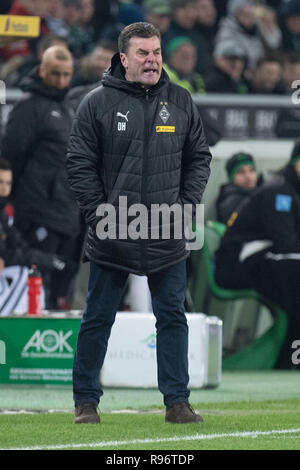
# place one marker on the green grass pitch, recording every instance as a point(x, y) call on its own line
point(258, 411)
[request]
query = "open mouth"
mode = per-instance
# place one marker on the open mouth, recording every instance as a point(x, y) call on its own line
point(150, 72)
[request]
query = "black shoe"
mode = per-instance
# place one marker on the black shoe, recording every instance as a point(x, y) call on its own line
point(86, 413)
point(182, 413)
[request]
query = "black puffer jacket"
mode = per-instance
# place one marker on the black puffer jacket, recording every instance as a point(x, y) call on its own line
point(15, 251)
point(231, 196)
point(35, 142)
point(271, 214)
point(117, 148)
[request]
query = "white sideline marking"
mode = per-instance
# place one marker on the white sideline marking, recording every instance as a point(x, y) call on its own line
point(195, 437)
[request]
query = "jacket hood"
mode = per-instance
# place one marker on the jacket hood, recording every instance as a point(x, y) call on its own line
point(34, 83)
point(114, 77)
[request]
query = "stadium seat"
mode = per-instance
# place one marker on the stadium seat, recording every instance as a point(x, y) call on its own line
point(263, 352)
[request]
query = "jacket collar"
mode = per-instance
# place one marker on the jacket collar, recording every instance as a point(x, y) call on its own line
point(34, 83)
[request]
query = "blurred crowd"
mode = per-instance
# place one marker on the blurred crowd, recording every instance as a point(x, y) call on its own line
point(217, 46)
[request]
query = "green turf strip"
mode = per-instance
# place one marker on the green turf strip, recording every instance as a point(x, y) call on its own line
point(52, 430)
point(235, 386)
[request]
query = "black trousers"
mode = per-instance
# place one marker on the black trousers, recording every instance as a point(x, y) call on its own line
point(106, 286)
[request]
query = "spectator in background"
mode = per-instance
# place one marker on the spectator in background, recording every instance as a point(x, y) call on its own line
point(82, 36)
point(183, 23)
point(106, 12)
point(14, 251)
point(290, 71)
point(181, 64)
point(206, 22)
point(158, 13)
point(266, 77)
point(261, 248)
point(242, 181)
point(226, 75)
point(87, 12)
point(71, 17)
point(64, 15)
point(239, 26)
point(91, 71)
point(290, 26)
point(33, 59)
point(56, 18)
point(127, 13)
point(268, 27)
point(72, 12)
point(35, 142)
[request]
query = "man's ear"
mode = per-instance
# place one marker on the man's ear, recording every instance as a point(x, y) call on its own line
point(124, 60)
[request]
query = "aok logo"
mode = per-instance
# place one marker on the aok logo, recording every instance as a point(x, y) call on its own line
point(49, 343)
point(2, 353)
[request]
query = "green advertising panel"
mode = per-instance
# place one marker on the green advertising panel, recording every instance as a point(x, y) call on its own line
point(37, 350)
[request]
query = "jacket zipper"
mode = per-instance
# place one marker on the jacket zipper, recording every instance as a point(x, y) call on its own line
point(144, 254)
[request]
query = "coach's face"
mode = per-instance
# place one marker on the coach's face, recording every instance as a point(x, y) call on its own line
point(143, 61)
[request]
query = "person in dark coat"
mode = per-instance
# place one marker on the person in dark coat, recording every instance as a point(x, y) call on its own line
point(261, 248)
point(136, 141)
point(184, 23)
point(226, 74)
point(35, 142)
point(14, 251)
point(289, 20)
point(243, 179)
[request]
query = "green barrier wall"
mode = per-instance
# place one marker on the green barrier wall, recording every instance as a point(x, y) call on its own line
point(38, 350)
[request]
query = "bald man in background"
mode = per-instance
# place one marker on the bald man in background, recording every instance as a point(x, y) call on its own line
point(35, 142)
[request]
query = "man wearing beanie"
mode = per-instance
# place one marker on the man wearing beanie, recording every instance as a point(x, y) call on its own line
point(242, 179)
point(261, 247)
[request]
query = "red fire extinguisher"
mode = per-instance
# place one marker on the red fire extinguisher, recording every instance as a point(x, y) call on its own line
point(34, 284)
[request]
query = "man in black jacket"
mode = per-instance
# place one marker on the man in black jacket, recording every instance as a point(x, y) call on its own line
point(14, 251)
point(137, 140)
point(227, 73)
point(261, 249)
point(35, 142)
point(242, 177)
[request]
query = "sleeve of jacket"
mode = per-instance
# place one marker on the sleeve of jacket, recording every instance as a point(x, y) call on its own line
point(18, 253)
point(20, 135)
point(84, 162)
point(196, 160)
